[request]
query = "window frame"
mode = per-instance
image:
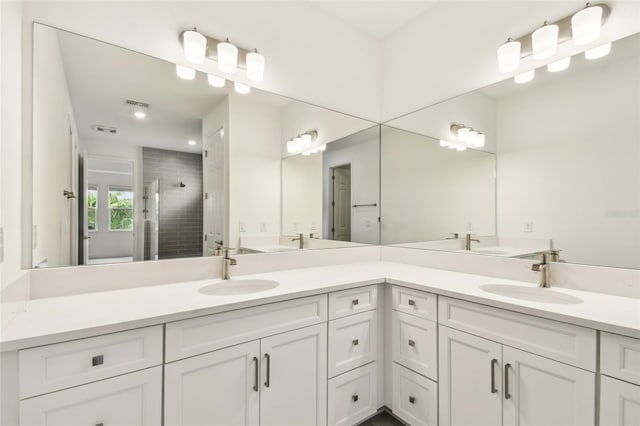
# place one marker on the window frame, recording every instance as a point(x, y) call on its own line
point(116, 188)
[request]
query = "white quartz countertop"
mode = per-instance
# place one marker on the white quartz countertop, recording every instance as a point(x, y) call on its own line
point(56, 319)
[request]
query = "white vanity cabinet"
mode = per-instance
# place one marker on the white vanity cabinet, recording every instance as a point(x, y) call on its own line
point(485, 381)
point(278, 378)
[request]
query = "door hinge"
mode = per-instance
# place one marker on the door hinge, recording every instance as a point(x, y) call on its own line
point(333, 204)
point(206, 195)
point(206, 153)
point(378, 219)
point(333, 229)
point(333, 177)
point(205, 237)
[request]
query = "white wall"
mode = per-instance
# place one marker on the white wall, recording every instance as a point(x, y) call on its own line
point(302, 194)
point(429, 191)
point(577, 177)
point(254, 168)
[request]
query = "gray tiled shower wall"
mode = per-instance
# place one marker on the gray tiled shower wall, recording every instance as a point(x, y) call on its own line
point(180, 213)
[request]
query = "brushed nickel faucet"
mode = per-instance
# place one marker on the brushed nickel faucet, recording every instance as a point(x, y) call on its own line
point(300, 239)
point(467, 242)
point(226, 263)
point(543, 268)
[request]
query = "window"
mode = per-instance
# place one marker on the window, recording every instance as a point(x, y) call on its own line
point(120, 209)
point(92, 208)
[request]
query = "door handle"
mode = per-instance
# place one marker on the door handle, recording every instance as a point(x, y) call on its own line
point(87, 237)
point(256, 379)
point(493, 375)
point(507, 395)
point(267, 381)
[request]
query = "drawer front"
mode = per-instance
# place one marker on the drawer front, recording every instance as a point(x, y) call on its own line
point(415, 302)
point(352, 342)
point(415, 344)
point(205, 334)
point(563, 342)
point(352, 396)
point(133, 399)
point(620, 357)
point(352, 301)
point(50, 368)
point(415, 398)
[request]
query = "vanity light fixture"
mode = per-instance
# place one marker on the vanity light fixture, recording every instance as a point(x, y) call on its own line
point(466, 137)
point(140, 115)
point(544, 41)
point(305, 144)
point(525, 77)
point(598, 52)
point(243, 89)
point(185, 73)
point(195, 46)
point(216, 81)
point(586, 24)
point(192, 142)
point(560, 65)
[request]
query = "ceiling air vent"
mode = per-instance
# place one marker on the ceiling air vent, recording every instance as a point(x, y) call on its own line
point(105, 129)
point(136, 104)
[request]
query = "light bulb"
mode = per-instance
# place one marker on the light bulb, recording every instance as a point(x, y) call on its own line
point(525, 77)
point(243, 89)
point(216, 81)
point(255, 66)
point(545, 41)
point(227, 57)
point(598, 52)
point(585, 25)
point(185, 72)
point(292, 147)
point(509, 56)
point(195, 46)
point(560, 65)
point(192, 142)
point(140, 114)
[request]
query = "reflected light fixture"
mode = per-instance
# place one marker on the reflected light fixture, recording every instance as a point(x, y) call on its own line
point(185, 73)
point(255, 65)
point(305, 143)
point(466, 136)
point(227, 57)
point(509, 56)
point(140, 115)
point(216, 81)
point(598, 52)
point(525, 77)
point(192, 142)
point(560, 65)
point(243, 89)
point(195, 46)
point(586, 24)
point(544, 41)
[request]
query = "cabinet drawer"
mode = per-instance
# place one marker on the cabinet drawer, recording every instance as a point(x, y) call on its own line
point(352, 342)
point(620, 357)
point(50, 368)
point(352, 396)
point(132, 399)
point(205, 334)
point(415, 302)
point(415, 398)
point(563, 342)
point(415, 344)
point(352, 301)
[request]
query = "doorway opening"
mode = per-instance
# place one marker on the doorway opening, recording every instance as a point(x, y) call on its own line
point(340, 203)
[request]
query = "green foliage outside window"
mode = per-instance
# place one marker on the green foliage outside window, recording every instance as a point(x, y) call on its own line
point(121, 210)
point(92, 205)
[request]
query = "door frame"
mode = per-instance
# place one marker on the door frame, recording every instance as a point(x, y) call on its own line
point(330, 204)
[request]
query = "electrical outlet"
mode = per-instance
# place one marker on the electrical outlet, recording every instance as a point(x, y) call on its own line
point(242, 227)
point(528, 226)
point(263, 227)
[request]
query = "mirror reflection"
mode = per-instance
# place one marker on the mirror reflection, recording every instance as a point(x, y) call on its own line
point(131, 162)
point(567, 148)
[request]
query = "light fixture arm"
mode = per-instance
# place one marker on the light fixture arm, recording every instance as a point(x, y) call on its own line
point(212, 49)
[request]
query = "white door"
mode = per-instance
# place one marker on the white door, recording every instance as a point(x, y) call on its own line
point(470, 375)
point(294, 378)
point(213, 190)
point(542, 392)
point(133, 399)
point(340, 203)
point(619, 403)
point(216, 388)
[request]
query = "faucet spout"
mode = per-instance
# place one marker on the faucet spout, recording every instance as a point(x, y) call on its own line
point(467, 242)
point(300, 240)
point(543, 268)
point(226, 263)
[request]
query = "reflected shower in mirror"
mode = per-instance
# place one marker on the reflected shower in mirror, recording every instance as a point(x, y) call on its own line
point(567, 148)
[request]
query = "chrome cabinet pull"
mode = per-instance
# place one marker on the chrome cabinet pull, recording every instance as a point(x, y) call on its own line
point(354, 302)
point(267, 382)
point(493, 375)
point(412, 399)
point(256, 379)
point(97, 360)
point(507, 395)
point(99, 424)
point(355, 342)
point(355, 398)
point(411, 343)
point(412, 302)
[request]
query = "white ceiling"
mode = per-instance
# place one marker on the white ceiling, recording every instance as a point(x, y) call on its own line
point(376, 18)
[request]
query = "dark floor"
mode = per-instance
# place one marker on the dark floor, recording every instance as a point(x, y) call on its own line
point(382, 419)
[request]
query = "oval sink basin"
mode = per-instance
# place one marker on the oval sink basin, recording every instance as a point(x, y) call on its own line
point(234, 287)
point(532, 294)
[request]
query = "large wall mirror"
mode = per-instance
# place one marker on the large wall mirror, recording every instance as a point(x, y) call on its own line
point(566, 149)
point(131, 162)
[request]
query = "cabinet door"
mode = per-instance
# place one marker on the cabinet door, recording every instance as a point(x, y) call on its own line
point(619, 403)
point(542, 392)
point(470, 380)
point(133, 399)
point(294, 378)
point(216, 388)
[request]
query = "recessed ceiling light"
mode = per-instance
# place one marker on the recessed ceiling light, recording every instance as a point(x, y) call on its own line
point(192, 142)
point(140, 114)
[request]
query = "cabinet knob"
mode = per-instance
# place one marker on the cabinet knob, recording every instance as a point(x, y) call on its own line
point(411, 343)
point(355, 302)
point(355, 342)
point(412, 302)
point(97, 360)
point(355, 398)
point(412, 399)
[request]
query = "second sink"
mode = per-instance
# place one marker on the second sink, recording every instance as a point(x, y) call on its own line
point(533, 294)
point(234, 287)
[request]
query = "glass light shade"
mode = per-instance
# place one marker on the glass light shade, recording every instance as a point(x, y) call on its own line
point(598, 52)
point(185, 72)
point(306, 138)
point(463, 134)
point(243, 89)
point(216, 81)
point(585, 25)
point(195, 46)
point(314, 150)
point(305, 142)
point(509, 56)
point(255, 66)
point(545, 41)
point(560, 65)
point(471, 137)
point(292, 147)
point(227, 57)
point(525, 77)
point(480, 140)
point(322, 147)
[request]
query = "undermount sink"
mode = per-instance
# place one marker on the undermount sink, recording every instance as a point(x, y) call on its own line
point(234, 287)
point(533, 294)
